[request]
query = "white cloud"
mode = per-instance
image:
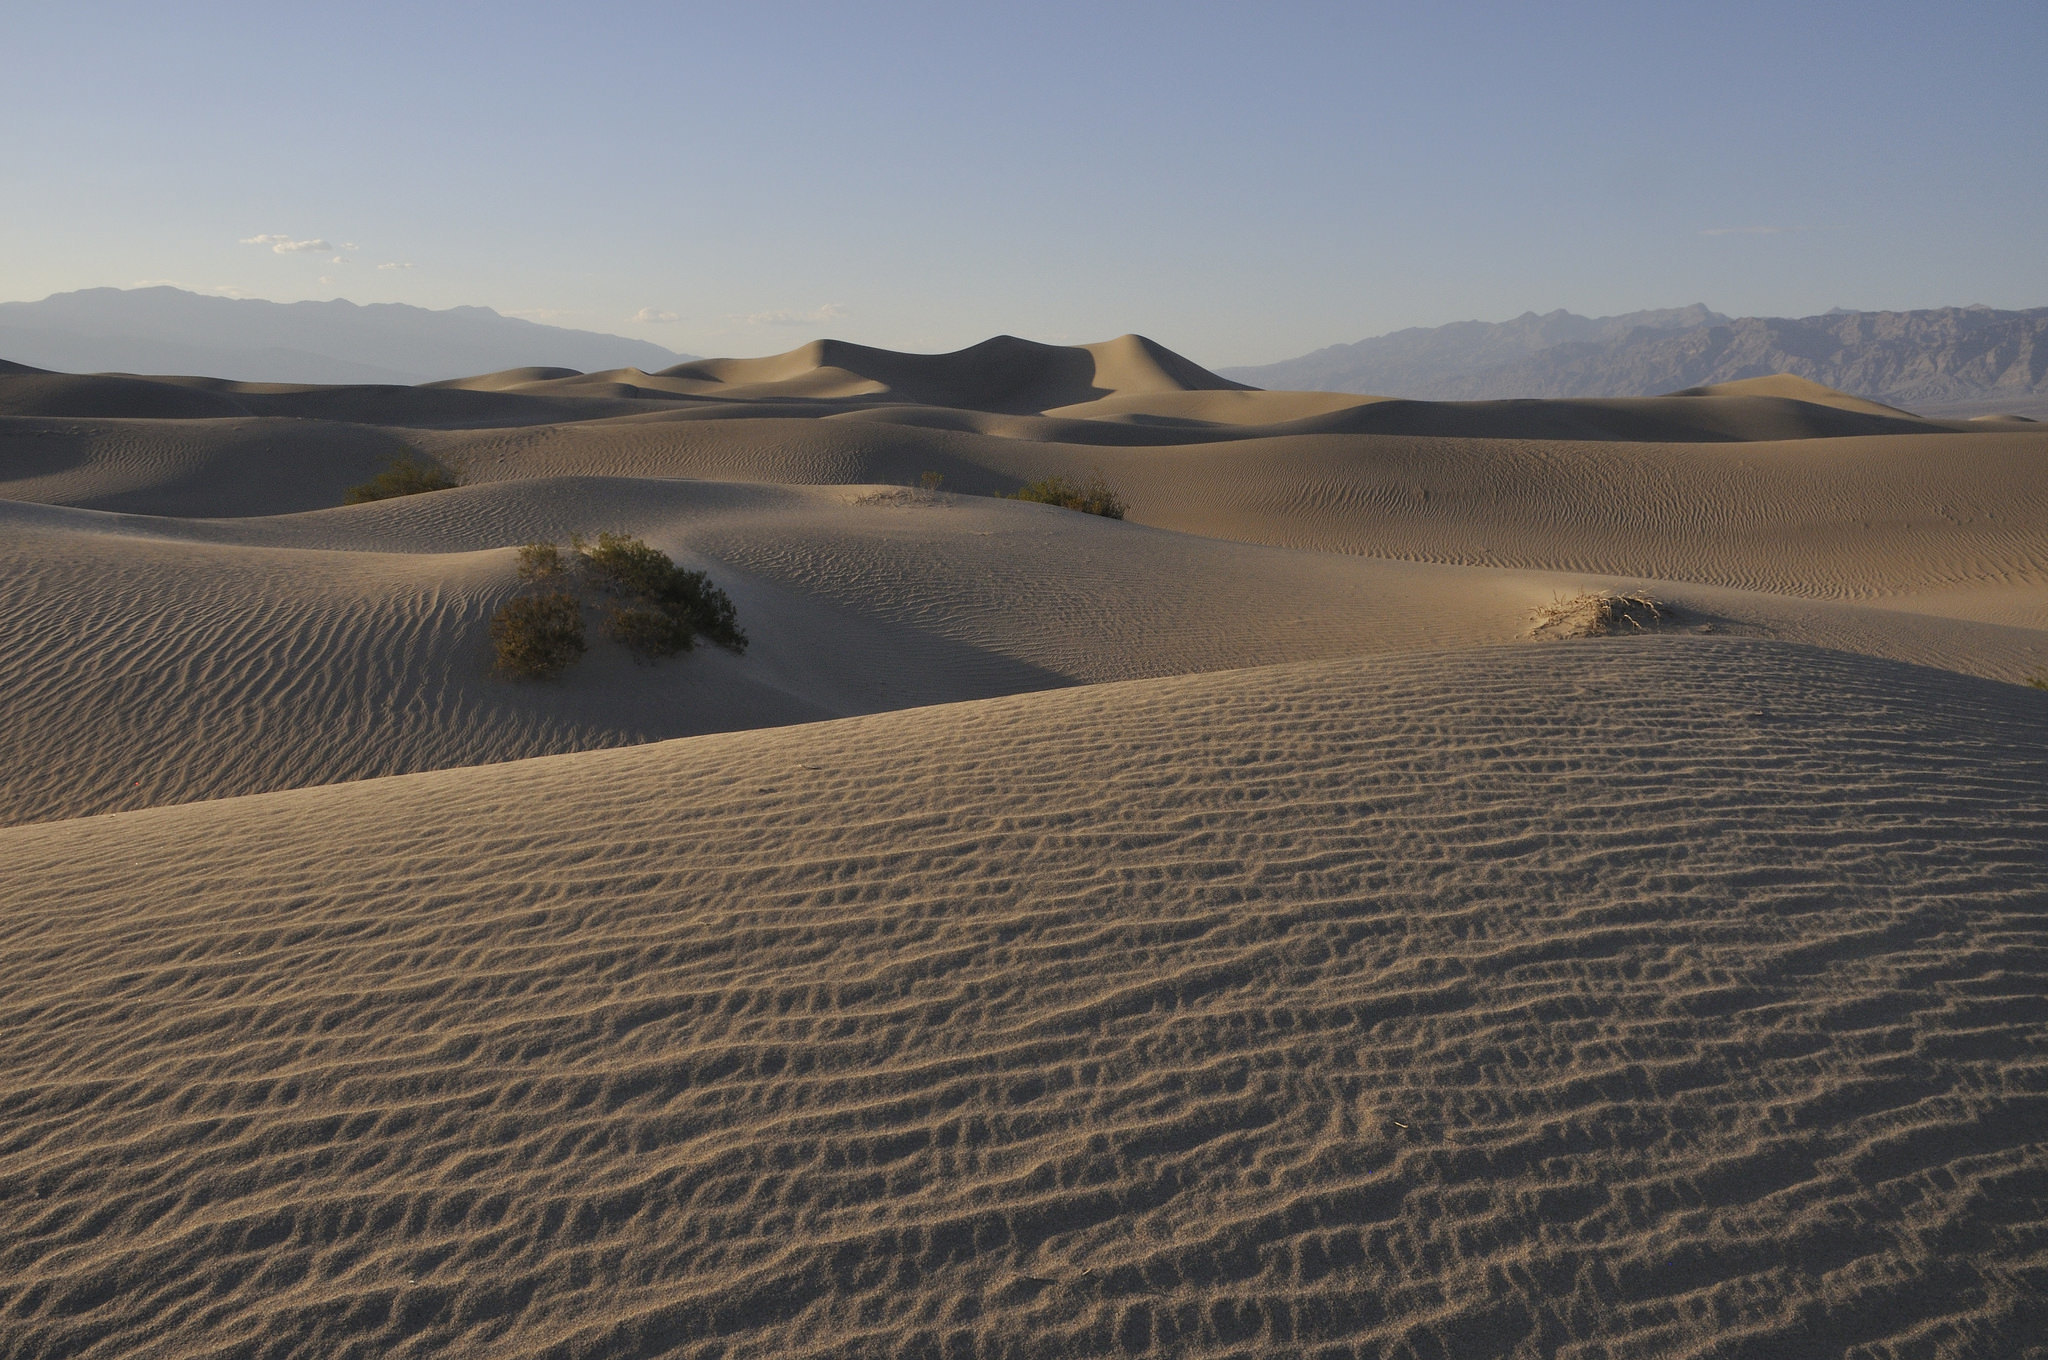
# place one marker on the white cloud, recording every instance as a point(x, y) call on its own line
point(226, 290)
point(830, 311)
point(654, 314)
point(285, 245)
point(396, 264)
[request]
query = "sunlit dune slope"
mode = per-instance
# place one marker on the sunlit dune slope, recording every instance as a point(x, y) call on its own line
point(1797, 389)
point(147, 661)
point(1664, 997)
point(1000, 374)
point(1859, 518)
point(1770, 485)
point(152, 660)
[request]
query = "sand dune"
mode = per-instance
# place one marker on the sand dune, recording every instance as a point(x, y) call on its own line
point(1831, 518)
point(1797, 389)
point(27, 392)
point(155, 660)
point(1847, 518)
point(1131, 381)
point(1654, 997)
point(1226, 932)
point(1002, 374)
point(233, 467)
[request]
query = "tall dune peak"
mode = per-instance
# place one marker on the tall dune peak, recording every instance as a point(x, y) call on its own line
point(1792, 387)
point(1003, 373)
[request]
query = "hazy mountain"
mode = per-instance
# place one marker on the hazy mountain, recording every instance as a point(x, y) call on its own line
point(168, 330)
point(1941, 356)
point(1406, 362)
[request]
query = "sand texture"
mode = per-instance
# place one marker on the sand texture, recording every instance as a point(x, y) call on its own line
point(1254, 928)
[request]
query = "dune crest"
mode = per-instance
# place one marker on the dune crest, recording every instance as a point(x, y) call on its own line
point(1795, 388)
point(1002, 374)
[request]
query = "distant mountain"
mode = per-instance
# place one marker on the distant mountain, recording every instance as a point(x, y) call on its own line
point(168, 330)
point(1942, 356)
point(1406, 363)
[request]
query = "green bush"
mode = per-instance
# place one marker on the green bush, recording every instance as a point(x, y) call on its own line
point(623, 565)
point(541, 562)
point(538, 635)
point(662, 607)
point(653, 607)
point(1096, 497)
point(648, 633)
point(406, 476)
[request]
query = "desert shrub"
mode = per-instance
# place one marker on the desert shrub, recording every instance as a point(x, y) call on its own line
point(538, 635)
point(715, 617)
point(622, 565)
point(652, 607)
point(648, 633)
point(2037, 682)
point(931, 481)
point(541, 562)
point(1598, 614)
point(1095, 497)
point(406, 476)
point(661, 608)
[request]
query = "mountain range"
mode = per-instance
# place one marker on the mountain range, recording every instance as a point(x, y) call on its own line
point(1944, 360)
point(1943, 357)
point(170, 330)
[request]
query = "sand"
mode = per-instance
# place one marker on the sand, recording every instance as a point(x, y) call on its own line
point(1224, 932)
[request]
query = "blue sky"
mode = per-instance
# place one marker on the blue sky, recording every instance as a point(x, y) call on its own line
point(1243, 183)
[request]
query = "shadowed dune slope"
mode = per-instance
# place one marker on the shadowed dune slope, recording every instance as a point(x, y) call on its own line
point(1675, 997)
point(29, 392)
point(214, 467)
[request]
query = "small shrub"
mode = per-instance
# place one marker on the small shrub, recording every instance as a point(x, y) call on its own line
point(1096, 497)
point(2037, 682)
point(623, 565)
point(714, 616)
point(655, 608)
point(406, 476)
point(541, 562)
point(662, 606)
point(1598, 614)
point(648, 633)
point(931, 481)
point(538, 635)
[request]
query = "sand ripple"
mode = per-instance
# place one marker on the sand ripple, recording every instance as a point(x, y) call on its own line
point(1676, 998)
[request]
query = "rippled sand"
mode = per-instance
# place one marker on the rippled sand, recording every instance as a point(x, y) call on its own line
point(1055, 936)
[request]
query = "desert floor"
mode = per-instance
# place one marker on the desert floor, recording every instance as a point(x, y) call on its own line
point(1241, 929)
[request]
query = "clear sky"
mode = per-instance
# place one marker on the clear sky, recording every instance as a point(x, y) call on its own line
point(1242, 182)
